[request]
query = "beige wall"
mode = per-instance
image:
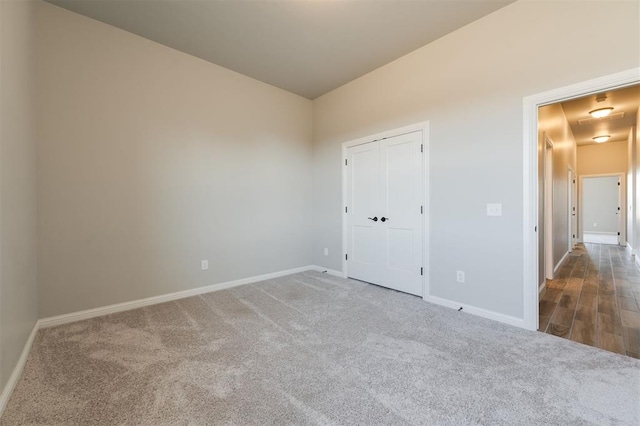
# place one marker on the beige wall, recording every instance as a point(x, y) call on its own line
point(610, 157)
point(553, 124)
point(470, 85)
point(151, 160)
point(18, 273)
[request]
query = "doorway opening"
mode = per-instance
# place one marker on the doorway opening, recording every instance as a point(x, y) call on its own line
point(602, 209)
point(585, 195)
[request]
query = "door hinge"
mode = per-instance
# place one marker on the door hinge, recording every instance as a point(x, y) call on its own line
point(346, 209)
point(346, 257)
point(618, 233)
point(535, 229)
point(618, 183)
point(421, 147)
point(421, 271)
point(574, 235)
point(574, 181)
point(345, 161)
point(421, 209)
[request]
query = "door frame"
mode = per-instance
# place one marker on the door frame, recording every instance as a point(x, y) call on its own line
point(530, 188)
point(622, 204)
point(573, 209)
point(417, 127)
point(548, 209)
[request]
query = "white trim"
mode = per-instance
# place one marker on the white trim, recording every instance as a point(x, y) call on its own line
point(126, 306)
point(530, 174)
point(17, 370)
point(485, 313)
point(542, 287)
point(417, 127)
point(555, 268)
point(601, 233)
point(549, 269)
point(328, 271)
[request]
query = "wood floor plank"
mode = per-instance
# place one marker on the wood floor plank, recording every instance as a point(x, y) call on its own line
point(543, 323)
point(595, 299)
point(552, 295)
point(631, 339)
point(628, 304)
point(546, 308)
point(559, 330)
point(563, 316)
point(586, 314)
point(630, 318)
point(609, 324)
point(611, 342)
point(607, 306)
point(587, 299)
point(584, 332)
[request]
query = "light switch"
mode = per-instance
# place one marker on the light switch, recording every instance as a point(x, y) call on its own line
point(494, 209)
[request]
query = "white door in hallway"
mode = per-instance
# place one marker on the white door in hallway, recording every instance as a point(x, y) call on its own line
point(384, 212)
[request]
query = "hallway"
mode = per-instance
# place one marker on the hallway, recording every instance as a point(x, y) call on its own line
point(595, 299)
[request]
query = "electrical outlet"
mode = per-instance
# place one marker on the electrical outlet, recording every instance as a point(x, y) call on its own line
point(204, 265)
point(326, 252)
point(460, 276)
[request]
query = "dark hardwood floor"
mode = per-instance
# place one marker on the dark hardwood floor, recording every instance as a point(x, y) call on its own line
point(595, 299)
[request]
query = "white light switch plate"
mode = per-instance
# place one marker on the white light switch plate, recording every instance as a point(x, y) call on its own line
point(494, 209)
point(204, 265)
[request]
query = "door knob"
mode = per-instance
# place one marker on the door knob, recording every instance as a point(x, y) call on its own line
point(375, 218)
point(384, 218)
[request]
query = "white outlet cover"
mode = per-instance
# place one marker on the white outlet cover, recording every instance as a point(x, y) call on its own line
point(494, 209)
point(326, 252)
point(204, 265)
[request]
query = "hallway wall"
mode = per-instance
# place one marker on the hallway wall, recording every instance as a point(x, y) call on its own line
point(609, 157)
point(553, 123)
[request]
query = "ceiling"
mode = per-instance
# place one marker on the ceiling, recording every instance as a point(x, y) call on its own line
point(308, 47)
point(625, 104)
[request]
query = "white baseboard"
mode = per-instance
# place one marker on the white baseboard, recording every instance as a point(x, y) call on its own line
point(542, 287)
point(559, 264)
point(126, 306)
point(600, 233)
point(328, 271)
point(17, 370)
point(484, 313)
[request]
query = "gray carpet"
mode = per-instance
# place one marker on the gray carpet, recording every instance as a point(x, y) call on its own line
point(313, 349)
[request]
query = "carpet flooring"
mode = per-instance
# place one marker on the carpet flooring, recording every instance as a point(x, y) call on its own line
point(309, 348)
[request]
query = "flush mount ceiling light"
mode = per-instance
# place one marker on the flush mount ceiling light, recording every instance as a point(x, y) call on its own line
point(602, 138)
point(601, 112)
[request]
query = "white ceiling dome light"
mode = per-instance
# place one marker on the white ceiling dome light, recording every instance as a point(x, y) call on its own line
point(601, 138)
point(601, 112)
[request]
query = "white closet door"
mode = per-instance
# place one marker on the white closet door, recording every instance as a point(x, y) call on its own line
point(401, 221)
point(384, 221)
point(363, 189)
